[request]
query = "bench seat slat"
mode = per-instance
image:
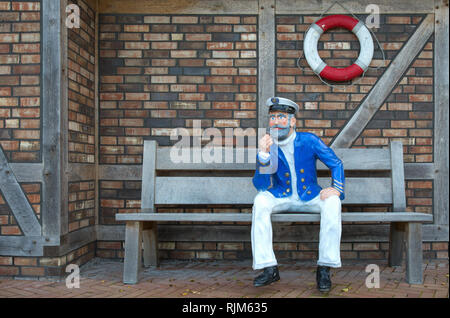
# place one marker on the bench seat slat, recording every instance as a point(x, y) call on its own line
point(240, 190)
point(277, 217)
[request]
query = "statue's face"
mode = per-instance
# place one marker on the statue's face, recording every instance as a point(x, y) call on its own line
point(280, 124)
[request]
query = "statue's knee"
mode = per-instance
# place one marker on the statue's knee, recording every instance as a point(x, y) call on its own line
point(262, 201)
point(333, 199)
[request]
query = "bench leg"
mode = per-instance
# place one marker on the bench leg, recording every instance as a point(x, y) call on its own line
point(414, 256)
point(396, 240)
point(133, 252)
point(150, 237)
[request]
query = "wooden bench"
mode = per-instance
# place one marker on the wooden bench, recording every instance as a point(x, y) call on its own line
point(163, 183)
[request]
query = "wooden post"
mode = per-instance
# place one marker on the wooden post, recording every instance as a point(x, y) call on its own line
point(414, 257)
point(150, 238)
point(54, 115)
point(396, 242)
point(441, 113)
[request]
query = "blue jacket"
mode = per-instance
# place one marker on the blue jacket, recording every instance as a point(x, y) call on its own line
point(307, 149)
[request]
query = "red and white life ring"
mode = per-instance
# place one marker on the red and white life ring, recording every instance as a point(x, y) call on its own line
point(331, 73)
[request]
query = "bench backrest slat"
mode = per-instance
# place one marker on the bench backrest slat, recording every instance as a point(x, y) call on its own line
point(240, 190)
point(354, 159)
point(398, 177)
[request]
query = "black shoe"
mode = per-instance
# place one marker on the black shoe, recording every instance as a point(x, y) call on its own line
point(268, 276)
point(323, 278)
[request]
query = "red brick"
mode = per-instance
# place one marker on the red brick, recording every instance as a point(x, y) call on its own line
point(163, 79)
point(420, 184)
point(289, 88)
point(27, 261)
point(136, 28)
point(219, 62)
point(26, 6)
point(6, 260)
point(192, 96)
point(191, 62)
point(111, 96)
point(220, 45)
point(420, 201)
point(5, 113)
point(9, 270)
point(110, 203)
point(156, 37)
point(9, 145)
point(26, 48)
point(32, 271)
point(137, 131)
point(10, 230)
point(218, 28)
point(137, 96)
point(225, 54)
point(26, 112)
point(185, 19)
point(26, 134)
point(9, 59)
point(183, 54)
point(164, 45)
point(420, 97)
point(9, 38)
point(198, 37)
point(227, 20)
point(26, 69)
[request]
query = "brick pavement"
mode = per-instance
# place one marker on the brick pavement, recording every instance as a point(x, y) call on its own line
point(102, 278)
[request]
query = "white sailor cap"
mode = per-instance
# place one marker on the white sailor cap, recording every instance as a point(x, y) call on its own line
point(282, 104)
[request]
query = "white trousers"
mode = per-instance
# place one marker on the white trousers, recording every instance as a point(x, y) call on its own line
point(330, 227)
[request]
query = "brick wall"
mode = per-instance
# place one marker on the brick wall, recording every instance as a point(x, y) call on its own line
point(81, 81)
point(81, 204)
point(35, 267)
point(163, 72)
point(20, 82)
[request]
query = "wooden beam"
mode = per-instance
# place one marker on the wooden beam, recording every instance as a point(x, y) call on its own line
point(385, 85)
point(28, 172)
point(17, 200)
point(413, 171)
point(80, 172)
point(71, 241)
point(54, 133)
point(355, 6)
point(441, 118)
point(178, 7)
point(266, 56)
point(25, 245)
point(419, 171)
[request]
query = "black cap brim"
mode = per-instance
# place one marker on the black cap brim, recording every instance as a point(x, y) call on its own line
point(282, 108)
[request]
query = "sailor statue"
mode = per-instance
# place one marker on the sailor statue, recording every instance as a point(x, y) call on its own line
point(292, 186)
